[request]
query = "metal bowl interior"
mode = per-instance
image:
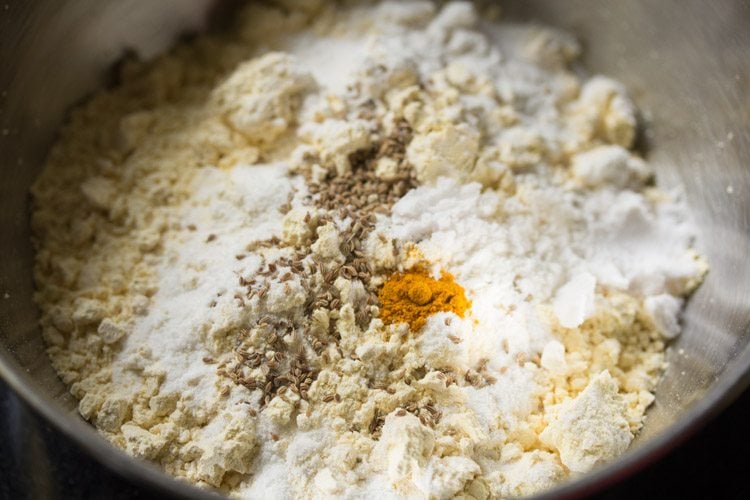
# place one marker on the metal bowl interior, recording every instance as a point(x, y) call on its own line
point(686, 62)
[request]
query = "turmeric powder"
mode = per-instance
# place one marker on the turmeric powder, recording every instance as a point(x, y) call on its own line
point(411, 297)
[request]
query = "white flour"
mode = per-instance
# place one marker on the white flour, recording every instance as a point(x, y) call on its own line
point(178, 211)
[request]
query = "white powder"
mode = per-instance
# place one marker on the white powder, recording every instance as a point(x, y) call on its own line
point(150, 213)
point(198, 279)
point(574, 301)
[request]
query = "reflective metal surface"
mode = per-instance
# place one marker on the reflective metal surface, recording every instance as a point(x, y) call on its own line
point(687, 63)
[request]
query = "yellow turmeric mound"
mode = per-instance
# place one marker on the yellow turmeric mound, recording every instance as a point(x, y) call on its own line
point(411, 297)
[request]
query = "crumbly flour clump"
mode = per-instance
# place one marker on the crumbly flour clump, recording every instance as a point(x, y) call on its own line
point(382, 250)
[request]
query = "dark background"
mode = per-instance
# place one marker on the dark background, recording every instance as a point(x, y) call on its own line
point(37, 463)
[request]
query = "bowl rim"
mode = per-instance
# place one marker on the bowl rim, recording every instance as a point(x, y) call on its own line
point(717, 398)
point(84, 435)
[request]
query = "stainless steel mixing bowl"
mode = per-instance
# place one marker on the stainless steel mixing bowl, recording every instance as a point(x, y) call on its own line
point(687, 63)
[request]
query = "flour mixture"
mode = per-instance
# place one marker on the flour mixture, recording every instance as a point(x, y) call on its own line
point(368, 250)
